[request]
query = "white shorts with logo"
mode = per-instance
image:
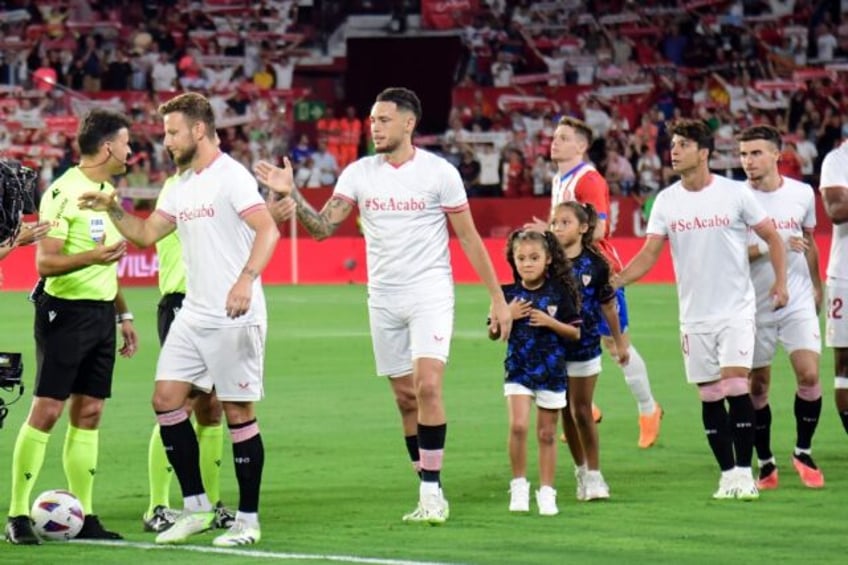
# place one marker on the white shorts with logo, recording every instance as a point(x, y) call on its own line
point(704, 354)
point(408, 327)
point(799, 331)
point(836, 326)
point(544, 398)
point(230, 359)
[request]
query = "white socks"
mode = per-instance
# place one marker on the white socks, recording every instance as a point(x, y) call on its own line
point(636, 377)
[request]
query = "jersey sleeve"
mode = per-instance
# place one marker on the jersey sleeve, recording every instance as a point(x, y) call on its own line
point(809, 221)
point(244, 195)
point(833, 170)
point(452, 195)
point(347, 185)
point(752, 211)
point(602, 283)
point(55, 208)
point(593, 189)
point(657, 221)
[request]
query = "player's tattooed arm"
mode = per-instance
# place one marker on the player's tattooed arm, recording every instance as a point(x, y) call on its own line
point(323, 224)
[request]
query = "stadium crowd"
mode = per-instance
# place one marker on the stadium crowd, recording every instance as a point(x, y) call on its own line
point(524, 65)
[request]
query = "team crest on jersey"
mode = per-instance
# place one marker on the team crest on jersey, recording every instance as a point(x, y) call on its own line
point(586, 279)
point(552, 310)
point(96, 228)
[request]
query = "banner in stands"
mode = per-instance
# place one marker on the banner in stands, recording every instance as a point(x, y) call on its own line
point(447, 14)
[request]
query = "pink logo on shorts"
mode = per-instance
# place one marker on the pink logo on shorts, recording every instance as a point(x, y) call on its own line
point(244, 386)
point(741, 352)
point(439, 338)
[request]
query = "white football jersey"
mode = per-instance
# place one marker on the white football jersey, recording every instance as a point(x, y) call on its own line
point(708, 232)
point(209, 208)
point(834, 172)
point(792, 209)
point(403, 211)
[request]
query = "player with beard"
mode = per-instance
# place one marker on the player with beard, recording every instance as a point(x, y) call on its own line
point(206, 406)
point(406, 198)
point(217, 340)
point(706, 218)
point(791, 205)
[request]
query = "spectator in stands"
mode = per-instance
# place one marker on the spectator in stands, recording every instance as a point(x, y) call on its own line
point(619, 172)
point(469, 171)
point(790, 162)
point(515, 181)
point(325, 163)
point(163, 74)
point(302, 150)
point(490, 178)
point(649, 170)
point(502, 71)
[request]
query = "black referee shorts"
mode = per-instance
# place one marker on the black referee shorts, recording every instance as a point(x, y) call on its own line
point(166, 312)
point(74, 346)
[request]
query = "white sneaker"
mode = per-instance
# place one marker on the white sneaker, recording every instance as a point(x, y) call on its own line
point(519, 495)
point(432, 509)
point(595, 486)
point(240, 533)
point(746, 487)
point(580, 478)
point(546, 501)
point(727, 486)
point(187, 525)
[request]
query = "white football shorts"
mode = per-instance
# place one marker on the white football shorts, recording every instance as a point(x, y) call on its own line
point(704, 354)
point(230, 359)
point(799, 331)
point(544, 398)
point(836, 326)
point(407, 327)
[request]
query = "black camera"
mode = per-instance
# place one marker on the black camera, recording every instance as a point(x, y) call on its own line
point(11, 372)
point(18, 195)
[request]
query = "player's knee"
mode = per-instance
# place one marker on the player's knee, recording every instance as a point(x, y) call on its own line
point(207, 410)
point(406, 402)
point(582, 415)
point(44, 414)
point(429, 391)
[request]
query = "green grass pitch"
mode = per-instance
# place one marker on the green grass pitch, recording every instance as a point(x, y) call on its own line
point(337, 478)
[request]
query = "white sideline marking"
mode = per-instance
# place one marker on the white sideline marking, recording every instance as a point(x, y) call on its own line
point(258, 554)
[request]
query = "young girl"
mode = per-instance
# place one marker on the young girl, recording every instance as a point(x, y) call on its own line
point(573, 224)
point(544, 301)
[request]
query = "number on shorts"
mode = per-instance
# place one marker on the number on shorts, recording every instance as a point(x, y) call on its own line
point(834, 312)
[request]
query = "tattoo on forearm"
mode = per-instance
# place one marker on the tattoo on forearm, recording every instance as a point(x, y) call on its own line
point(116, 213)
point(319, 224)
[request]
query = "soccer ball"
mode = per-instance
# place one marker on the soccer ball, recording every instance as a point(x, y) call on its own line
point(57, 515)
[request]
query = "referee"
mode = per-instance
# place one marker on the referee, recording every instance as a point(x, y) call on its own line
point(75, 320)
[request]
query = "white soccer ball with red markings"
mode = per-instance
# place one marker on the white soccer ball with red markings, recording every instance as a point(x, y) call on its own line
point(57, 515)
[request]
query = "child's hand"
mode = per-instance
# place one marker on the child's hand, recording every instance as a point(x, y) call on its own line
point(520, 308)
point(540, 318)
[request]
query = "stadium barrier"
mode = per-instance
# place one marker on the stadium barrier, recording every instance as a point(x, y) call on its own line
point(333, 261)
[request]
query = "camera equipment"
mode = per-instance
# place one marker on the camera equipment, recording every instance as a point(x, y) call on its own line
point(11, 371)
point(18, 196)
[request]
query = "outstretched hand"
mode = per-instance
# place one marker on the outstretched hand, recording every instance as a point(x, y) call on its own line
point(97, 201)
point(278, 179)
point(31, 233)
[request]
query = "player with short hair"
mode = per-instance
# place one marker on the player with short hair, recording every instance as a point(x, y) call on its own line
point(544, 300)
point(75, 318)
point(833, 185)
point(579, 180)
point(206, 406)
point(791, 206)
point(406, 198)
point(706, 218)
point(217, 340)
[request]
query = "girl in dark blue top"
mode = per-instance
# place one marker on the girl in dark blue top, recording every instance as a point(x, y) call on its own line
point(573, 225)
point(544, 301)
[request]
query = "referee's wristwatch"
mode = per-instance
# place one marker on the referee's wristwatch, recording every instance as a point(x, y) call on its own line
point(124, 317)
